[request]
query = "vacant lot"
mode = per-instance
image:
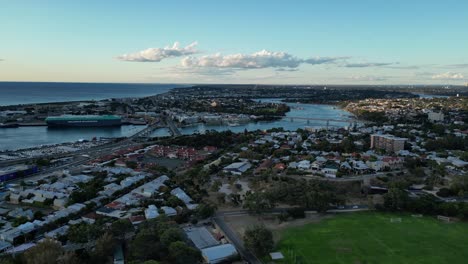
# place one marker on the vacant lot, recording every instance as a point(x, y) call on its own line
point(373, 238)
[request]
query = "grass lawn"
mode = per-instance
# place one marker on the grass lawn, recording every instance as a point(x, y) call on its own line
point(370, 237)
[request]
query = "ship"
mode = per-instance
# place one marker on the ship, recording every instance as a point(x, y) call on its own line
point(233, 124)
point(83, 121)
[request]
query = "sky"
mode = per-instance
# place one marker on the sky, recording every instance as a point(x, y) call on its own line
point(271, 42)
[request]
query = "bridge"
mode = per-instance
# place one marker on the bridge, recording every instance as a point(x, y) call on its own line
point(175, 132)
point(147, 131)
point(349, 120)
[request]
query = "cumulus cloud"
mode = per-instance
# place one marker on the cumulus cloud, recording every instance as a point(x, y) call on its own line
point(159, 54)
point(448, 76)
point(258, 60)
point(367, 64)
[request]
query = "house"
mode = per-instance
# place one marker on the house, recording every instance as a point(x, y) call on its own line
point(376, 165)
point(151, 212)
point(169, 211)
point(392, 162)
point(303, 165)
point(292, 165)
point(4, 246)
point(280, 167)
point(200, 237)
point(264, 166)
point(179, 193)
point(219, 254)
point(330, 170)
point(237, 168)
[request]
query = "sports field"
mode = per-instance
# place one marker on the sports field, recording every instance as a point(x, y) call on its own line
point(372, 238)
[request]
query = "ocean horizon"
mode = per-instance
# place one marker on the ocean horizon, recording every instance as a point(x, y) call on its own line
point(14, 93)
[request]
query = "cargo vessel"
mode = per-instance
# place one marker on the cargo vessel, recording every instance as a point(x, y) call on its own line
point(83, 121)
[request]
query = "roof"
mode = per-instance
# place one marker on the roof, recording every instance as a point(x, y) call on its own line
point(4, 245)
point(201, 237)
point(239, 166)
point(217, 254)
point(276, 255)
point(388, 136)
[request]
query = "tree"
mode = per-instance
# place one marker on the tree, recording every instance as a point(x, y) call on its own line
point(82, 233)
point(120, 227)
point(45, 252)
point(174, 201)
point(259, 239)
point(38, 215)
point(171, 235)
point(146, 245)
point(258, 202)
point(204, 211)
point(68, 258)
point(131, 164)
point(181, 253)
point(104, 249)
point(396, 199)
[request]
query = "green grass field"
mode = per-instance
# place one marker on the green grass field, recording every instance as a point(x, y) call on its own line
point(371, 238)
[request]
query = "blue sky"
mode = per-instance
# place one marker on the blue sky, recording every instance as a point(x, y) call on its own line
point(297, 42)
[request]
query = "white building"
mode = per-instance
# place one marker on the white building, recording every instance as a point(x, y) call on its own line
point(435, 116)
point(237, 168)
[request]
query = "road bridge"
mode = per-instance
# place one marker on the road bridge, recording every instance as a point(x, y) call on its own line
point(175, 132)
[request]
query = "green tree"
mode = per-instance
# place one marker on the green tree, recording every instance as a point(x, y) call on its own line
point(45, 252)
point(181, 253)
point(146, 245)
point(121, 227)
point(204, 211)
point(104, 250)
point(258, 202)
point(396, 199)
point(171, 235)
point(259, 239)
point(131, 164)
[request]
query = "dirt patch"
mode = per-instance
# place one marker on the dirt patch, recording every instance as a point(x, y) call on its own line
point(240, 223)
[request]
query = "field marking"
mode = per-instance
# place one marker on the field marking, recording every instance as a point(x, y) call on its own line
point(380, 242)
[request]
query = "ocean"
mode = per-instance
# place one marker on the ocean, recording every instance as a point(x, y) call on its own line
point(12, 93)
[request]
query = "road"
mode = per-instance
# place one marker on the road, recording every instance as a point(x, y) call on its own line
point(343, 179)
point(172, 127)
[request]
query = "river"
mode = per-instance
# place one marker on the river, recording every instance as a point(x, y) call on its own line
point(25, 137)
point(288, 123)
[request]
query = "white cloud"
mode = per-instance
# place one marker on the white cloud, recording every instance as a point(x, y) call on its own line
point(258, 60)
point(448, 76)
point(158, 54)
point(457, 66)
point(368, 78)
point(286, 69)
point(367, 64)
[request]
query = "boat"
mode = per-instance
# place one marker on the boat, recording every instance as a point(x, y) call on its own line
point(83, 121)
point(233, 124)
